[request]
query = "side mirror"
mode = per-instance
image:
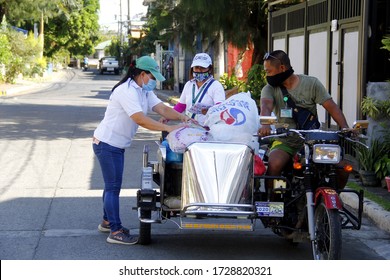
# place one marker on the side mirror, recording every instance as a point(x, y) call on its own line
point(270, 120)
point(360, 124)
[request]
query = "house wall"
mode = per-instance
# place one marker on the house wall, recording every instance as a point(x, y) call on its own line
point(239, 61)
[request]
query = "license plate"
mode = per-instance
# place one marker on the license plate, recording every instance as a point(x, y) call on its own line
point(269, 209)
point(110, 69)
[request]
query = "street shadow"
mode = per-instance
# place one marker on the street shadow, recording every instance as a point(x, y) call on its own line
point(47, 122)
point(65, 228)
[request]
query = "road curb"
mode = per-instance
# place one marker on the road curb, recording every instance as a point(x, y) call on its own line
point(374, 211)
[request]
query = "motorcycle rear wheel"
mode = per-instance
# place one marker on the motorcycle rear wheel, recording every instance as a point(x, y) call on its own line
point(328, 243)
point(144, 237)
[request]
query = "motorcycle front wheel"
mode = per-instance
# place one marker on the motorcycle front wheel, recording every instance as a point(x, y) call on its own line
point(327, 244)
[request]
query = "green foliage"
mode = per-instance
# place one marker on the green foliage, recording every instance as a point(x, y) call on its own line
point(386, 42)
point(256, 81)
point(5, 49)
point(70, 25)
point(20, 55)
point(382, 167)
point(375, 109)
point(74, 30)
point(226, 16)
point(115, 48)
point(13, 69)
point(368, 157)
point(239, 22)
point(231, 82)
point(22, 12)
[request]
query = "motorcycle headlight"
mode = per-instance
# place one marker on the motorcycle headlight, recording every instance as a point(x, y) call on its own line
point(326, 153)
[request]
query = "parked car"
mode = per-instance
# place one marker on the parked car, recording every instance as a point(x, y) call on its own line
point(109, 64)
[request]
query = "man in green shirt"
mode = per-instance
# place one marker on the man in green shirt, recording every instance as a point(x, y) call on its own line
point(306, 92)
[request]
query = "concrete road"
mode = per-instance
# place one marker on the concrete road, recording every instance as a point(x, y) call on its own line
point(51, 186)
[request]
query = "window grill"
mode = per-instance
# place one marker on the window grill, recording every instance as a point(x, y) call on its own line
point(279, 23)
point(345, 9)
point(317, 14)
point(296, 19)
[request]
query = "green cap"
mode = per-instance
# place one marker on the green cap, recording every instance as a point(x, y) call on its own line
point(149, 64)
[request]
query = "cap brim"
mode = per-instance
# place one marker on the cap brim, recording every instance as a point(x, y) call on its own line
point(157, 75)
point(197, 63)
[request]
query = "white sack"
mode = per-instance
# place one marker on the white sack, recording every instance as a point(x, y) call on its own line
point(179, 139)
point(234, 120)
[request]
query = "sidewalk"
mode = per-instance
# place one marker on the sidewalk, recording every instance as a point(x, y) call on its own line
point(22, 86)
point(375, 212)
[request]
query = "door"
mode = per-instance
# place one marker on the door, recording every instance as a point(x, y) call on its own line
point(348, 76)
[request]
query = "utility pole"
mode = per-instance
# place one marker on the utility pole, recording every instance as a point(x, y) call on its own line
point(128, 22)
point(121, 23)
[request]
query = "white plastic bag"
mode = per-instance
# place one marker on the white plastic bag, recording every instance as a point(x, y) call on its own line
point(179, 139)
point(234, 120)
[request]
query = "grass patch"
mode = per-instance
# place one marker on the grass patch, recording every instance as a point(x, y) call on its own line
point(371, 196)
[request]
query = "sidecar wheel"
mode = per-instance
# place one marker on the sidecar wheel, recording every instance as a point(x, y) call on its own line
point(327, 245)
point(144, 237)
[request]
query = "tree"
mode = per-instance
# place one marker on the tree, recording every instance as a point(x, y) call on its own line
point(72, 25)
point(240, 22)
point(75, 29)
point(25, 11)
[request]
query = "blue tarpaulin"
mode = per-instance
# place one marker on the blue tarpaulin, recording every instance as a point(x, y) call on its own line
point(25, 32)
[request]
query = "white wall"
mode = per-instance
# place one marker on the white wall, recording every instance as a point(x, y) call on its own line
point(318, 62)
point(350, 81)
point(296, 52)
point(279, 44)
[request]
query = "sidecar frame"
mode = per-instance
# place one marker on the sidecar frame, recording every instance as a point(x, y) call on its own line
point(231, 201)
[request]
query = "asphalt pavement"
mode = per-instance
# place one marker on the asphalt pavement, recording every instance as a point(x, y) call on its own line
point(372, 210)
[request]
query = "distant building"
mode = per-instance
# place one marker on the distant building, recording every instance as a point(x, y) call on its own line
point(99, 49)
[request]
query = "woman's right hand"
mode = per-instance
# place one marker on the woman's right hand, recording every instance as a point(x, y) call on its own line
point(174, 127)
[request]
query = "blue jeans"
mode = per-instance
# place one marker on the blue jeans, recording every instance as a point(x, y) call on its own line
point(111, 161)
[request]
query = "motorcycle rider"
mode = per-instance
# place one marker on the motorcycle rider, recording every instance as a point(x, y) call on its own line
point(307, 91)
point(86, 61)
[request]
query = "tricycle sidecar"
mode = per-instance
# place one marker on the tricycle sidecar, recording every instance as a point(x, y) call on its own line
point(214, 181)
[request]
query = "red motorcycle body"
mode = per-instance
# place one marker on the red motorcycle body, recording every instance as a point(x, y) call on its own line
point(330, 196)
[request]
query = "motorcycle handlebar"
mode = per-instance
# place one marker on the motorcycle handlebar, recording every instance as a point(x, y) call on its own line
point(347, 134)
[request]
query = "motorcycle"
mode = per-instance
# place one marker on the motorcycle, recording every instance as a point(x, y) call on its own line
point(215, 188)
point(86, 64)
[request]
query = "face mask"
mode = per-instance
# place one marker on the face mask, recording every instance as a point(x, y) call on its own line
point(151, 85)
point(278, 79)
point(200, 76)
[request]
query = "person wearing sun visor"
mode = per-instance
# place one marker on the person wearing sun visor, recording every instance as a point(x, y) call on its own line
point(202, 91)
